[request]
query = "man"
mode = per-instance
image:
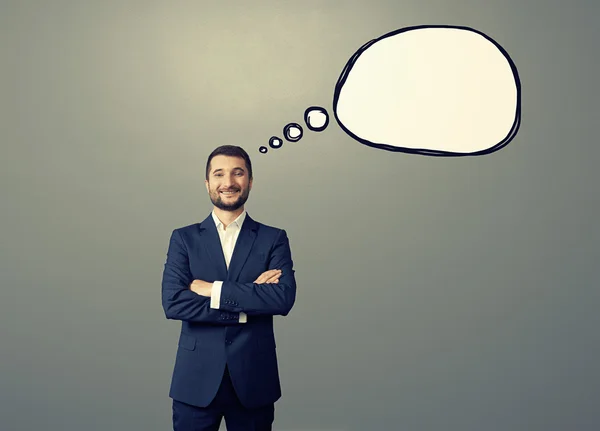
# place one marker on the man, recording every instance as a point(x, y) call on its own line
point(225, 278)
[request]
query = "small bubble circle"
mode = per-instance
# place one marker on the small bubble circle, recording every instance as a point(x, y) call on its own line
point(293, 132)
point(316, 118)
point(263, 150)
point(275, 142)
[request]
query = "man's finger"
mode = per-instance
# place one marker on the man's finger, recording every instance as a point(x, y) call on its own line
point(267, 275)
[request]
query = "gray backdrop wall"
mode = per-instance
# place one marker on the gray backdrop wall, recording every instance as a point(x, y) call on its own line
point(433, 293)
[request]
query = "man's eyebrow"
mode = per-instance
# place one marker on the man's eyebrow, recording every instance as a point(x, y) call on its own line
point(234, 169)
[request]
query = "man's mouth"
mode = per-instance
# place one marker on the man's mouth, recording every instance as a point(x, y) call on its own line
point(228, 193)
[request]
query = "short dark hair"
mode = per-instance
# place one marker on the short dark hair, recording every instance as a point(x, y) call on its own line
point(231, 151)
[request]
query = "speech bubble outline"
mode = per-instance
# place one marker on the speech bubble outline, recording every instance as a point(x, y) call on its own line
point(346, 72)
point(511, 120)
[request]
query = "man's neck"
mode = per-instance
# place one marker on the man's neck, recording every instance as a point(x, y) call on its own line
point(227, 217)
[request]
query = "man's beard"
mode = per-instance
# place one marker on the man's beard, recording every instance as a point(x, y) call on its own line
point(215, 198)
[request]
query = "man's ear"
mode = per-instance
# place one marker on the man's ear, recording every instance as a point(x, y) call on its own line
point(250, 185)
point(206, 184)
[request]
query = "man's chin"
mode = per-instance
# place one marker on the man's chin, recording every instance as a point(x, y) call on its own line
point(229, 207)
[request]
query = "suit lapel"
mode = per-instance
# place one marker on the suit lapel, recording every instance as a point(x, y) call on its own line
point(241, 251)
point(212, 245)
point(242, 248)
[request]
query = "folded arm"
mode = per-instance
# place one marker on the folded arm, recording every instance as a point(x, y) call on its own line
point(178, 301)
point(264, 298)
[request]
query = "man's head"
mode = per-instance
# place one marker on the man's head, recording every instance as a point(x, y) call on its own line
point(228, 177)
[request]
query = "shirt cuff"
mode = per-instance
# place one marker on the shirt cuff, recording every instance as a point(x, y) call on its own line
point(243, 317)
point(215, 295)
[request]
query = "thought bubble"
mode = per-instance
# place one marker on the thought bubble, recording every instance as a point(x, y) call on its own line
point(293, 132)
point(433, 90)
point(274, 142)
point(316, 119)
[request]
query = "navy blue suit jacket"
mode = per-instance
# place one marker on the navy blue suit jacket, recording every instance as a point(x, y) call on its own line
point(211, 338)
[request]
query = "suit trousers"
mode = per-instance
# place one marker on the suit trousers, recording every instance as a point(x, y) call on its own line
point(226, 404)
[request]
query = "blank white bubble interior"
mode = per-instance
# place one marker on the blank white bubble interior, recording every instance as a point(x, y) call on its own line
point(294, 132)
point(432, 88)
point(316, 118)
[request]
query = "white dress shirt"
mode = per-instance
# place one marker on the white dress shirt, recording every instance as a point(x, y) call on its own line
point(228, 237)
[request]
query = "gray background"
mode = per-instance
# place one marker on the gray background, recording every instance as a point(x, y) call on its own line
point(433, 294)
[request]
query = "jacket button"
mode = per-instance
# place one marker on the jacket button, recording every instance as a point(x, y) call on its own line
point(227, 341)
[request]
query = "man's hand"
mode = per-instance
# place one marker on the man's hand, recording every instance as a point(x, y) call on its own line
point(270, 276)
point(201, 287)
point(204, 288)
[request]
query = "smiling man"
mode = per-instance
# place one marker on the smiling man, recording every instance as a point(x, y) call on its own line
point(224, 279)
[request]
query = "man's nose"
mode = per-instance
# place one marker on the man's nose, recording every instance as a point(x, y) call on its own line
point(227, 181)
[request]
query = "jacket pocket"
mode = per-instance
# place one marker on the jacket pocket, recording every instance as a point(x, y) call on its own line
point(187, 342)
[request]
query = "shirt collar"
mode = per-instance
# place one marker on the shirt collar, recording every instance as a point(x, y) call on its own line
point(238, 221)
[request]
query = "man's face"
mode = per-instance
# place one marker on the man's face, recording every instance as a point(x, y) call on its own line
point(228, 182)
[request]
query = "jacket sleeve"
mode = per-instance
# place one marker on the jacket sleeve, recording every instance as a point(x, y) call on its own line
point(268, 298)
point(178, 301)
